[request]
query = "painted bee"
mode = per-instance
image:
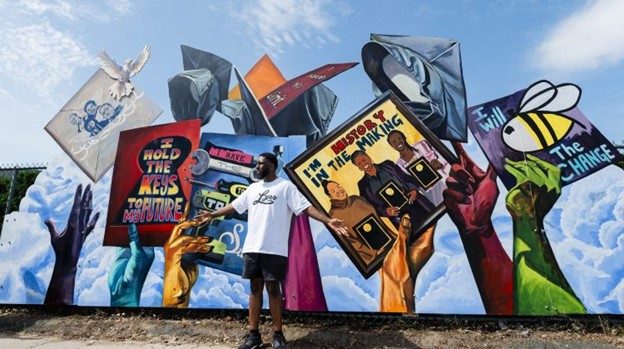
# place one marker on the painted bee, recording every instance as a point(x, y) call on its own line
point(539, 122)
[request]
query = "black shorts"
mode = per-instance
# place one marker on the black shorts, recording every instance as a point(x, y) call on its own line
point(269, 267)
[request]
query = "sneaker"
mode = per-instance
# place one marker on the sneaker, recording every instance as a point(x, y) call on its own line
point(279, 342)
point(252, 341)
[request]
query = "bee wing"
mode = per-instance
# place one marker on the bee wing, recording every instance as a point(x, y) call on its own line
point(566, 98)
point(537, 95)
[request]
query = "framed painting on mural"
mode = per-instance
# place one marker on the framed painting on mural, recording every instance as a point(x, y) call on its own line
point(378, 166)
point(150, 186)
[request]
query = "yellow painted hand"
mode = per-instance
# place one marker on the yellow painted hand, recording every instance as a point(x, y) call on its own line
point(180, 275)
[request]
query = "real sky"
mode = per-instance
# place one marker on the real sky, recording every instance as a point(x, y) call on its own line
point(48, 50)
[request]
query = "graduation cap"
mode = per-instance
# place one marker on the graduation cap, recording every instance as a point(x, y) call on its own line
point(221, 68)
point(198, 91)
point(262, 78)
point(303, 98)
point(193, 94)
point(426, 73)
point(247, 116)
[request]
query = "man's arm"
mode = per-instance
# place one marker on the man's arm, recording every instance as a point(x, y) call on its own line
point(335, 224)
point(228, 209)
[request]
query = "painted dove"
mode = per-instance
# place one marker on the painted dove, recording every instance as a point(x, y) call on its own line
point(122, 74)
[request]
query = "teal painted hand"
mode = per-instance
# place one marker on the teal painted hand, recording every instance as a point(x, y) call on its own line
point(540, 288)
point(129, 270)
point(538, 186)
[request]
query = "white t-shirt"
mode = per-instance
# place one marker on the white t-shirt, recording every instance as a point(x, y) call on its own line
point(270, 206)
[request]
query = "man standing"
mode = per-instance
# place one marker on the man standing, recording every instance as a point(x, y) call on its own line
point(270, 204)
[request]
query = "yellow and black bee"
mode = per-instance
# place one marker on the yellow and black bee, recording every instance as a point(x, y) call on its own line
point(539, 122)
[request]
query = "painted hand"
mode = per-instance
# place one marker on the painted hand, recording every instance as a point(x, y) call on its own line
point(471, 194)
point(436, 165)
point(67, 245)
point(180, 275)
point(338, 226)
point(411, 196)
point(129, 270)
point(392, 211)
point(538, 186)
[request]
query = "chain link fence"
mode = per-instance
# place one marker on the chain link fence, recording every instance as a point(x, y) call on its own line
point(14, 181)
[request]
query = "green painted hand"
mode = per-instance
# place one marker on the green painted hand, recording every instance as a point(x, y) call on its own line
point(129, 271)
point(540, 288)
point(538, 186)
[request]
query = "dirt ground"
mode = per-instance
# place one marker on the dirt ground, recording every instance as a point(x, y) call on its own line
point(309, 330)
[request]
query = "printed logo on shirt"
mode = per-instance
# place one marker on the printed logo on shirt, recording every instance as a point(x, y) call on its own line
point(265, 198)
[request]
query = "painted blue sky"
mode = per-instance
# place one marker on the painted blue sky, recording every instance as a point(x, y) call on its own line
point(48, 50)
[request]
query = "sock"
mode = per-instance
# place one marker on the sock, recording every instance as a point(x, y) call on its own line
point(254, 331)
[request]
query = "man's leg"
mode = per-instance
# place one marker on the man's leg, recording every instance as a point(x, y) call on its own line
point(276, 303)
point(255, 302)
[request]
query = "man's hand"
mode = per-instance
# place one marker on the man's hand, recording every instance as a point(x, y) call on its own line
point(471, 193)
point(129, 270)
point(180, 276)
point(538, 186)
point(205, 216)
point(67, 246)
point(334, 224)
point(338, 226)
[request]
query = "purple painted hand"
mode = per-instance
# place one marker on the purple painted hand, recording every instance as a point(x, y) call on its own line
point(67, 245)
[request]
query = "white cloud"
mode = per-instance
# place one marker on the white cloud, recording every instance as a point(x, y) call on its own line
point(6, 95)
point(586, 40)
point(273, 25)
point(121, 7)
point(40, 56)
point(58, 8)
point(37, 53)
point(73, 11)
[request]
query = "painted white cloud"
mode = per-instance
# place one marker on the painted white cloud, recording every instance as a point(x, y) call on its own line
point(215, 289)
point(586, 230)
point(586, 40)
point(27, 257)
point(343, 294)
point(273, 25)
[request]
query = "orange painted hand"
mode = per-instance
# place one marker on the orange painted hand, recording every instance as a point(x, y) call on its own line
point(180, 275)
point(397, 286)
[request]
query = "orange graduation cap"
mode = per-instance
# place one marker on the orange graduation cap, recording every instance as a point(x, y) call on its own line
point(262, 78)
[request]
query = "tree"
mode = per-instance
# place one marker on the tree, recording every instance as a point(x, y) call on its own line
point(25, 178)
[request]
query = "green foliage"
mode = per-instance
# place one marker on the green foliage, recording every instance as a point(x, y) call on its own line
point(25, 178)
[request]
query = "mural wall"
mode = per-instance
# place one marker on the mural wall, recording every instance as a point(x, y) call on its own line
point(522, 215)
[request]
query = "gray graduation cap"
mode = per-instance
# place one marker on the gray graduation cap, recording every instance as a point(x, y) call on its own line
point(301, 106)
point(426, 73)
point(221, 68)
point(194, 94)
point(199, 90)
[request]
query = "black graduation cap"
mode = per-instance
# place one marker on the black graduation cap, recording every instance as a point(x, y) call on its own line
point(426, 73)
